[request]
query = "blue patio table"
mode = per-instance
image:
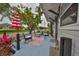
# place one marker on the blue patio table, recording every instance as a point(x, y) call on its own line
point(28, 36)
point(45, 34)
point(38, 34)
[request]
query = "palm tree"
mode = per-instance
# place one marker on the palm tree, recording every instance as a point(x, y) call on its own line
point(4, 7)
point(4, 10)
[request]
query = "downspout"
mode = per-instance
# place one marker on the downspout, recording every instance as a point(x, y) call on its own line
point(57, 19)
point(56, 30)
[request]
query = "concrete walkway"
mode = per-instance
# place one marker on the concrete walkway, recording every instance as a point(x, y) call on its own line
point(31, 50)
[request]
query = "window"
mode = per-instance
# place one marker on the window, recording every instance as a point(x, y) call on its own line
point(70, 16)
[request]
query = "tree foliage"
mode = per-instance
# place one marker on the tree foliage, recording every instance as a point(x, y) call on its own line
point(31, 19)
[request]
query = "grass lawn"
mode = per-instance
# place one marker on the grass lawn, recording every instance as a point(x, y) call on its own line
point(12, 30)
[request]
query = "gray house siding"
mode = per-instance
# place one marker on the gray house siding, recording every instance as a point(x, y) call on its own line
point(71, 31)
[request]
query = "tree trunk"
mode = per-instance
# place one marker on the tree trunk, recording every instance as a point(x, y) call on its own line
point(30, 31)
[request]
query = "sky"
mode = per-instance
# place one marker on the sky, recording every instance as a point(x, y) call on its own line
point(33, 6)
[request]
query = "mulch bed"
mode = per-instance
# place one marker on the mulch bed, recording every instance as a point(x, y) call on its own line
point(5, 49)
point(5, 52)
